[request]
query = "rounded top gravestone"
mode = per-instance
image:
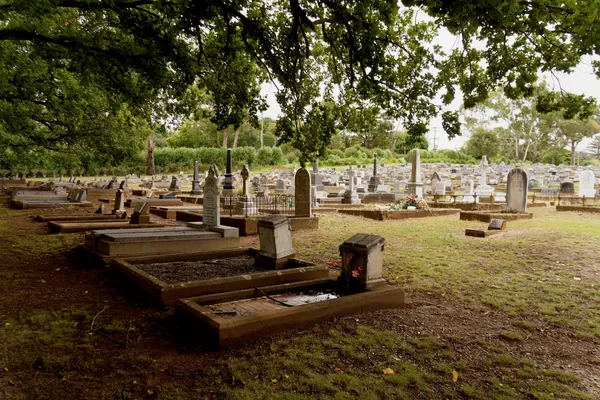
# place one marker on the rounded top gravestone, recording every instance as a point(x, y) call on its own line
point(516, 190)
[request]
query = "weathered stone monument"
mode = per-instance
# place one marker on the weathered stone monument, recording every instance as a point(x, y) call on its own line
point(435, 179)
point(587, 181)
point(228, 179)
point(119, 202)
point(245, 205)
point(212, 201)
point(350, 195)
point(516, 191)
point(174, 183)
point(415, 186)
point(141, 214)
point(303, 201)
point(374, 181)
point(196, 189)
point(275, 241)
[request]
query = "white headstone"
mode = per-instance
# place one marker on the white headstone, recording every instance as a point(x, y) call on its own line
point(586, 184)
point(212, 203)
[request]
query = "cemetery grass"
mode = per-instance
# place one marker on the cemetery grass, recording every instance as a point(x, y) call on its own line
point(451, 341)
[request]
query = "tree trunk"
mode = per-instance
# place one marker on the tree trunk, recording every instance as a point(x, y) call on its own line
point(235, 137)
point(516, 148)
point(150, 167)
point(573, 145)
point(225, 137)
point(526, 151)
point(534, 152)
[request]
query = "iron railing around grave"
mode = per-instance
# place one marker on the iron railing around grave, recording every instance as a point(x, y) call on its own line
point(576, 200)
point(255, 206)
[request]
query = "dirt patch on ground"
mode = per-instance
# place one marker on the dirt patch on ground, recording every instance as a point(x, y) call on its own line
point(187, 271)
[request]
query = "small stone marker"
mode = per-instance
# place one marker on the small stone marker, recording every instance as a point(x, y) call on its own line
point(100, 209)
point(211, 216)
point(141, 214)
point(497, 225)
point(303, 201)
point(275, 241)
point(362, 261)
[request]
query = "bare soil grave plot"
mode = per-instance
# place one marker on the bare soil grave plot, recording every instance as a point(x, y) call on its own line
point(507, 315)
point(168, 278)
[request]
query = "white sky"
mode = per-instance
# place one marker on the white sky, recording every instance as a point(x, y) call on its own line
point(581, 81)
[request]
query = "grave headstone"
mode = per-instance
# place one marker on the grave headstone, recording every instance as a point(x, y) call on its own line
point(275, 240)
point(374, 180)
point(587, 181)
point(196, 189)
point(228, 179)
point(245, 175)
point(212, 204)
point(415, 186)
point(516, 191)
point(119, 201)
point(174, 183)
point(141, 214)
point(567, 188)
point(362, 260)
point(302, 193)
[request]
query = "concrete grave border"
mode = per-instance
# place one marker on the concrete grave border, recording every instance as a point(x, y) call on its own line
point(249, 225)
point(590, 209)
point(383, 215)
point(217, 331)
point(168, 294)
point(489, 216)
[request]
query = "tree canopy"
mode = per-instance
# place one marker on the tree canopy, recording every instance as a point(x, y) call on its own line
point(70, 66)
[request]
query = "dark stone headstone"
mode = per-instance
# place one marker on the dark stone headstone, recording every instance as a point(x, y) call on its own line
point(567, 188)
point(302, 193)
point(228, 180)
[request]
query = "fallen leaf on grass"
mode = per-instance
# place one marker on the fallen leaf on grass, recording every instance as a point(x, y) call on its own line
point(454, 376)
point(388, 371)
point(274, 380)
point(150, 392)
